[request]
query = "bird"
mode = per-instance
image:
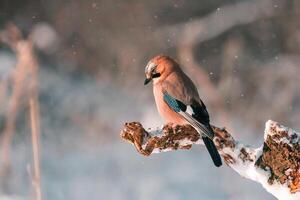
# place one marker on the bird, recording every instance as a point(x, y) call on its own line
point(177, 100)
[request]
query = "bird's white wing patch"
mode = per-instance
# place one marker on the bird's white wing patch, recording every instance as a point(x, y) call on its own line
point(189, 110)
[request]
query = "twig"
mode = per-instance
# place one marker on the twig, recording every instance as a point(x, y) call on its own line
point(35, 133)
point(19, 78)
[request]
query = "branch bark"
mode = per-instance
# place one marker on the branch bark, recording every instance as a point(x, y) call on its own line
point(275, 165)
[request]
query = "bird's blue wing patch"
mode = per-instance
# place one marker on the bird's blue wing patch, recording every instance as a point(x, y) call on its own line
point(173, 103)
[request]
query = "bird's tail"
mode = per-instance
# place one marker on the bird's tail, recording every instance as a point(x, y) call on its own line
point(213, 152)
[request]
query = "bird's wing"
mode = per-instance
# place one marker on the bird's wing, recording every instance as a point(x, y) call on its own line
point(188, 112)
point(193, 113)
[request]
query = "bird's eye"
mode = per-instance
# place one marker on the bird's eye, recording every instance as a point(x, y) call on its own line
point(156, 75)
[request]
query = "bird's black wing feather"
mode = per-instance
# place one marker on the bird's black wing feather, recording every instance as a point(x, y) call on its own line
point(199, 112)
point(201, 115)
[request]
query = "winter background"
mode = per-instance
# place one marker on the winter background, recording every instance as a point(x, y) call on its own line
point(92, 55)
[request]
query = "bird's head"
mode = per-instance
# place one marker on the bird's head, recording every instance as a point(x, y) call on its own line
point(158, 68)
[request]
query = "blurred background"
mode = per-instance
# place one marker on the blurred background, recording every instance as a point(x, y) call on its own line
point(86, 59)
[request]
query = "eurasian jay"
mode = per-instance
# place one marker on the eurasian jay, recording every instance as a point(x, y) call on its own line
point(178, 101)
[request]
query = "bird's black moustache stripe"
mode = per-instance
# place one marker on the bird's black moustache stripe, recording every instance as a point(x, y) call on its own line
point(147, 80)
point(156, 75)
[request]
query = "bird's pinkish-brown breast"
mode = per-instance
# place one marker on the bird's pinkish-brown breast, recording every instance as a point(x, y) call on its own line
point(164, 110)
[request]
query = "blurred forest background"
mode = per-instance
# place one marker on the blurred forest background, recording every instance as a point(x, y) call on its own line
point(88, 61)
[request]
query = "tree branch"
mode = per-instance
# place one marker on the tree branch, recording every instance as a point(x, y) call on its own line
point(217, 22)
point(275, 165)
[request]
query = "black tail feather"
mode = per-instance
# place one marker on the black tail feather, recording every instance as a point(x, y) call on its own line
point(214, 154)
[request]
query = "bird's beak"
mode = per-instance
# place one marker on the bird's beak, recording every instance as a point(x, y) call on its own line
point(147, 80)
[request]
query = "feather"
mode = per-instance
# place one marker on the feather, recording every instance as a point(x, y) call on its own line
point(187, 112)
point(201, 128)
point(176, 105)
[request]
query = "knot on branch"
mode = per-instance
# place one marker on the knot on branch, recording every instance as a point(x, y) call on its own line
point(281, 155)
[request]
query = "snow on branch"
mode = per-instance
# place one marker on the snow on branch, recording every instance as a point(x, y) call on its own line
point(275, 165)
